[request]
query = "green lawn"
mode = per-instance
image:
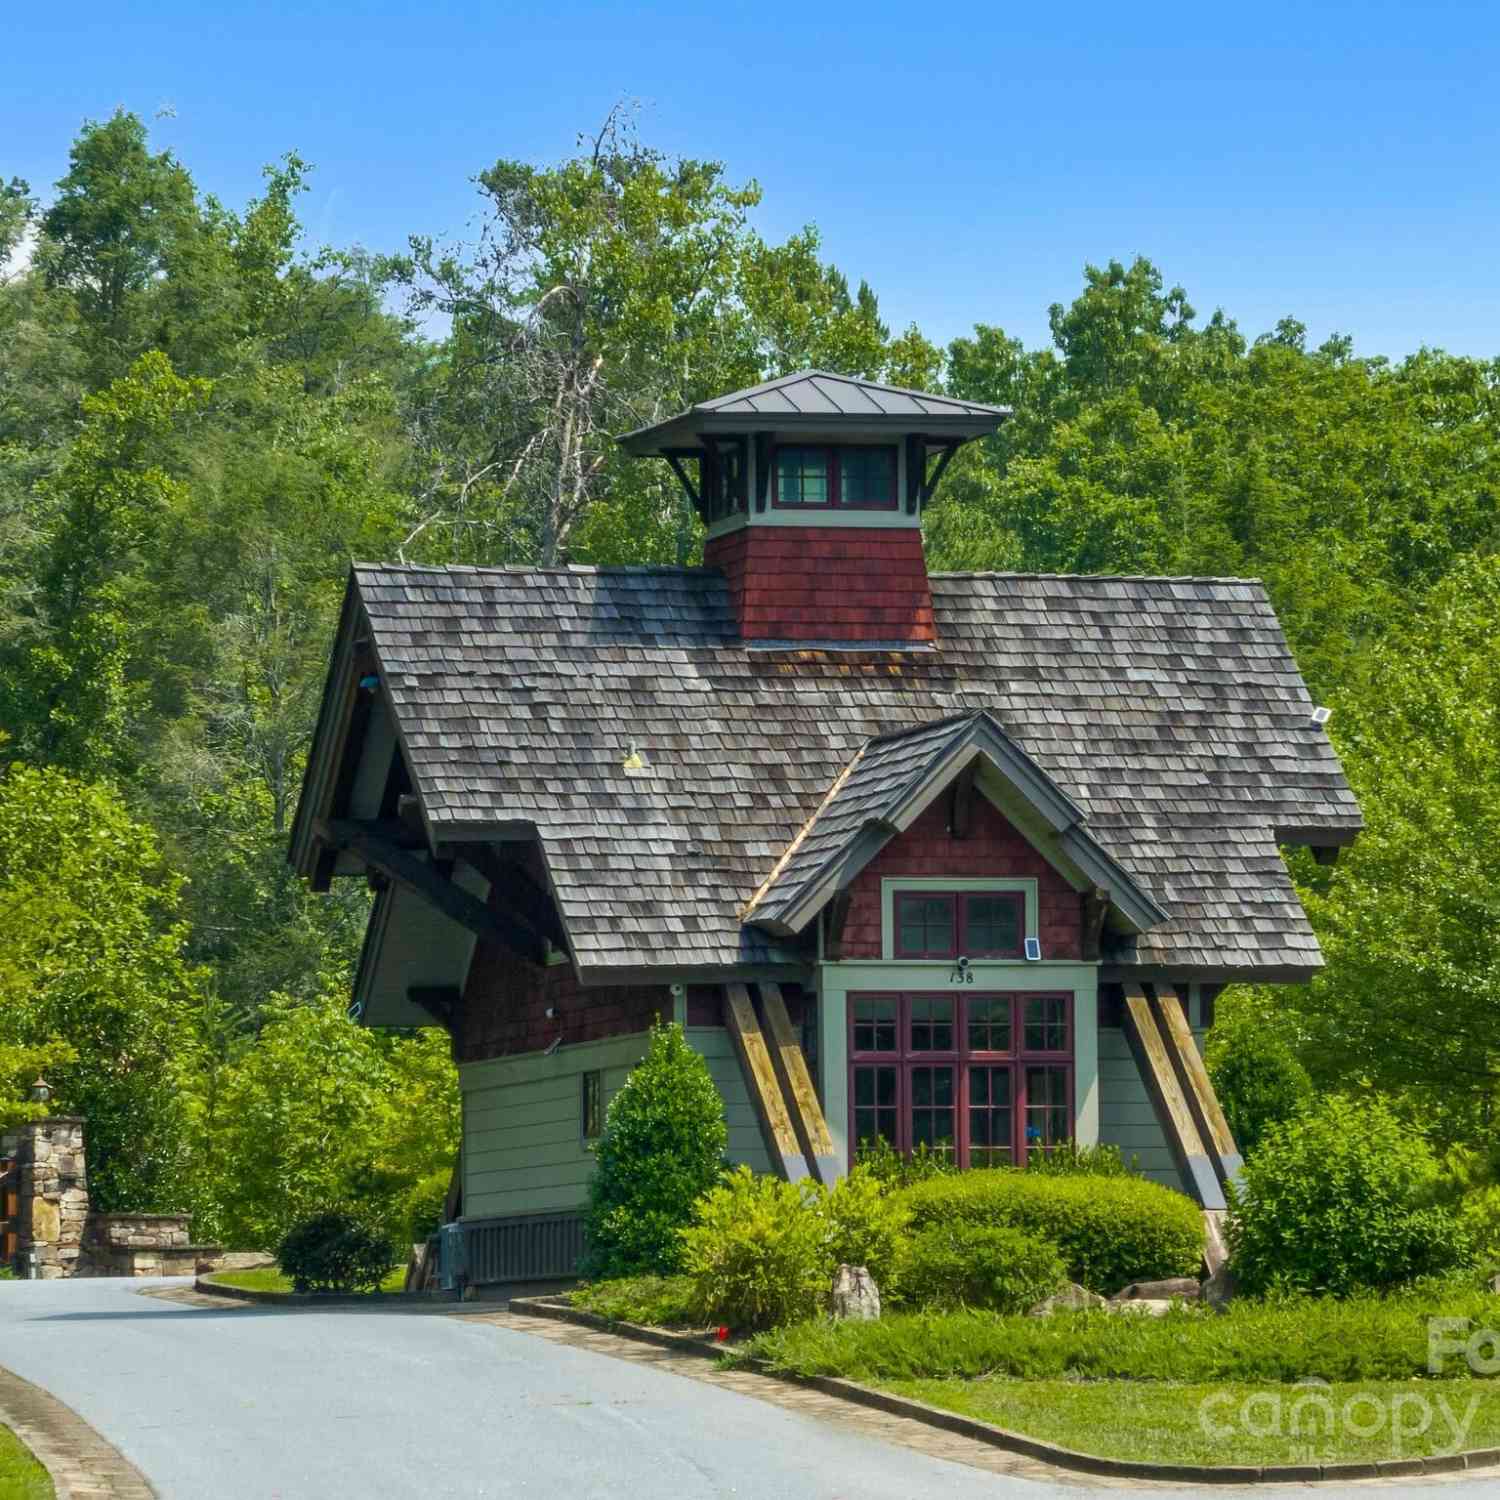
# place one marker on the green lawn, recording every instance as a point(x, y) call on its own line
point(1231, 1423)
point(21, 1476)
point(270, 1279)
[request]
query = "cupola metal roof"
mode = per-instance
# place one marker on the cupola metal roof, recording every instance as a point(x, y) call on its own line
point(817, 400)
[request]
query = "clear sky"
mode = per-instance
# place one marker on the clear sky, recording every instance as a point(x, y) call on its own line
point(1337, 162)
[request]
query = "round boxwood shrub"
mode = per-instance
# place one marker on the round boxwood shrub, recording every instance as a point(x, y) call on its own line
point(1110, 1231)
point(335, 1252)
point(662, 1149)
point(979, 1265)
point(757, 1253)
point(1339, 1199)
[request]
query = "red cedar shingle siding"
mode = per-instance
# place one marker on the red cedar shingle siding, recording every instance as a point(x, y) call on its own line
point(993, 850)
point(826, 583)
point(506, 1002)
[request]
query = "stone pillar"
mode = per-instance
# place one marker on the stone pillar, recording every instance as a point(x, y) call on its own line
point(54, 1196)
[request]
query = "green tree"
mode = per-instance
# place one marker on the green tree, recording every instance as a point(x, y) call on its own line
point(1256, 1073)
point(93, 978)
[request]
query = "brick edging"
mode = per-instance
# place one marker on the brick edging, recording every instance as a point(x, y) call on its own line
point(1015, 1442)
point(207, 1285)
point(77, 1459)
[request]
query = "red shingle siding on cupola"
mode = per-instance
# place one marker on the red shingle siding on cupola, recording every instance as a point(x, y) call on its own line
point(993, 850)
point(826, 583)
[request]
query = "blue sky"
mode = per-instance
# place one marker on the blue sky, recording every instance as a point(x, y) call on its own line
point(1335, 162)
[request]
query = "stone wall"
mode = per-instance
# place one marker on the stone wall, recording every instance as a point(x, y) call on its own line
point(56, 1233)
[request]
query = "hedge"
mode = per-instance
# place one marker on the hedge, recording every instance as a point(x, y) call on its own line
point(1110, 1230)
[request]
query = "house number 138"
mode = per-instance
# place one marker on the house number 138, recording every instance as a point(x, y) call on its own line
point(960, 976)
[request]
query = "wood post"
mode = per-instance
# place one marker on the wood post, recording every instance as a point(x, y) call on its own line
point(762, 1085)
point(1197, 1088)
point(797, 1086)
point(1153, 1058)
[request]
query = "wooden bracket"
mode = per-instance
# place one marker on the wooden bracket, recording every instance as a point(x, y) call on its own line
point(445, 1004)
point(797, 1088)
point(761, 1083)
point(1197, 1087)
point(373, 844)
point(1095, 909)
point(523, 897)
point(838, 915)
point(1153, 1059)
point(961, 807)
point(762, 468)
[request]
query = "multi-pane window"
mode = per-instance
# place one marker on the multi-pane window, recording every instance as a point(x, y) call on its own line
point(855, 478)
point(981, 1079)
point(947, 924)
point(804, 476)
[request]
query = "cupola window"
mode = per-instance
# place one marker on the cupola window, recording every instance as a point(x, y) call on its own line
point(828, 478)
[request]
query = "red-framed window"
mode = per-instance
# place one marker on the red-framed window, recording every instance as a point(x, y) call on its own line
point(983, 1079)
point(819, 476)
point(947, 924)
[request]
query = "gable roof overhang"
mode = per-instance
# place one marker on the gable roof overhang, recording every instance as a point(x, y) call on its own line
point(894, 778)
point(818, 401)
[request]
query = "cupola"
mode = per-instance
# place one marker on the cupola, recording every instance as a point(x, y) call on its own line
point(812, 487)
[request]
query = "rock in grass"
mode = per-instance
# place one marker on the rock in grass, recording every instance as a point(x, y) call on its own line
point(855, 1294)
point(1220, 1288)
point(1185, 1288)
point(1070, 1298)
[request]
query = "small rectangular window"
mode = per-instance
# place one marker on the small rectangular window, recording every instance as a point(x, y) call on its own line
point(875, 1023)
point(802, 477)
point(994, 923)
point(925, 926)
point(1045, 1028)
point(989, 1023)
point(876, 1114)
point(591, 1106)
point(867, 477)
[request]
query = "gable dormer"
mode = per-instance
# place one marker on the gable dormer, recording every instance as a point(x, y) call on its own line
point(812, 488)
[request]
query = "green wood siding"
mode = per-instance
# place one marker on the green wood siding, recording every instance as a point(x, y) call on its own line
point(523, 1143)
point(1126, 1118)
point(746, 1143)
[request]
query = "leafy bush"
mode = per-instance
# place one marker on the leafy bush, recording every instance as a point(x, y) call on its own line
point(757, 1253)
point(658, 1301)
point(662, 1149)
point(979, 1265)
point(334, 1252)
point(864, 1225)
point(1368, 1337)
point(1255, 1073)
point(897, 1169)
point(1109, 1230)
point(1072, 1160)
point(1479, 1218)
point(1339, 1199)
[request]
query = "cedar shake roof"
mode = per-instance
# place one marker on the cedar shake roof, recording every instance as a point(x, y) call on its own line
point(1168, 709)
point(889, 782)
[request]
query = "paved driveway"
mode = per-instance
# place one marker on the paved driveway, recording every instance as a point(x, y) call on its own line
point(257, 1403)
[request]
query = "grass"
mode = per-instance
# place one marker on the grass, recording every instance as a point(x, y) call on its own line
point(659, 1301)
point(270, 1279)
point(1361, 1339)
point(21, 1476)
point(1231, 1423)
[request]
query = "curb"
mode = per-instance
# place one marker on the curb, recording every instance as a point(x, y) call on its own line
point(79, 1461)
point(207, 1285)
point(1015, 1442)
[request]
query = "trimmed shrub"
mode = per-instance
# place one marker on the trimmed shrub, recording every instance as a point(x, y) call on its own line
point(979, 1265)
point(1340, 1199)
point(1072, 1160)
point(757, 1253)
point(1110, 1231)
point(1257, 1076)
point(335, 1252)
point(864, 1225)
point(662, 1149)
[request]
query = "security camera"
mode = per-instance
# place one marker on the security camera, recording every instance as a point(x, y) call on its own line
point(963, 963)
point(678, 991)
point(551, 1012)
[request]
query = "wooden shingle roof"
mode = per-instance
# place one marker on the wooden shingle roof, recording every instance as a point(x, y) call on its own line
point(667, 767)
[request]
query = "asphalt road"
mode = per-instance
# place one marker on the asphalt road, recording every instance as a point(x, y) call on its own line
point(258, 1404)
